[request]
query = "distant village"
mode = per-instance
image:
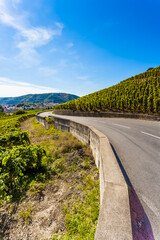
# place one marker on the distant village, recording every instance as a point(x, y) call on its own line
point(9, 108)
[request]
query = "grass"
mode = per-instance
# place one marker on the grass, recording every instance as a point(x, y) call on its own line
point(64, 178)
point(54, 141)
point(71, 162)
point(81, 218)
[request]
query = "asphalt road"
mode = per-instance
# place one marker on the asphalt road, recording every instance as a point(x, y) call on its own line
point(137, 144)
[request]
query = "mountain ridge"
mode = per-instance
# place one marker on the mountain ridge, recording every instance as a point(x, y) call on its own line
point(39, 98)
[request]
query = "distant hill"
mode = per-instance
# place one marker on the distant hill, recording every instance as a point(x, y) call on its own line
point(139, 94)
point(39, 98)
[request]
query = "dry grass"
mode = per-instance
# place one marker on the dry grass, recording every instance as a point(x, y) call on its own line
point(54, 141)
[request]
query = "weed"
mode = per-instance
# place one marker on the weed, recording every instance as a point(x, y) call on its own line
point(86, 163)
point(26, 215)
point(58, 166)
point(72, 168)
point(35, 187)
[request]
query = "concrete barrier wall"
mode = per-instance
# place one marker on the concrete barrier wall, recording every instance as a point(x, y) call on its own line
point(114, 221)
point(80, 131)
point(62, 125)
point(42, 120)
point(108, 114)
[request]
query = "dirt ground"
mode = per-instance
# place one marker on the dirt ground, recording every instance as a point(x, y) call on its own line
point(45, 214)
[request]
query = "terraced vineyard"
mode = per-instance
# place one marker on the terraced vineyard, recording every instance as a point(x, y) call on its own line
point(138, 94)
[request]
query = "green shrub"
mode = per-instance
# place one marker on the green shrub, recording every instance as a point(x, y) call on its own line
point(13, 138)
point(20, 162)
point(26, 214)
point(17, 165)
point(19, 112)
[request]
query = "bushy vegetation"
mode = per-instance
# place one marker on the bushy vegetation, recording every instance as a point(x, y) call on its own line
point(38, 162)
point(1, 108)
point(2, 114)
point(18, 165)
point(138, 94)
point(20, 162)
point(19, 112)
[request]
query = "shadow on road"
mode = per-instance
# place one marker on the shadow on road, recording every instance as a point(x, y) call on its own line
point(141, 227)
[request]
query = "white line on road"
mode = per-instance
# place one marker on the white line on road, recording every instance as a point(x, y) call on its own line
point(150, 135)
point(120, 125)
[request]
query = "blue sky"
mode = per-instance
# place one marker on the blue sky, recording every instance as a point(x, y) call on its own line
point(75, 46)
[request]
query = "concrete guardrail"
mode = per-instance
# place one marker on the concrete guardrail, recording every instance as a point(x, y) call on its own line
point(42, 120)
point(114, 221)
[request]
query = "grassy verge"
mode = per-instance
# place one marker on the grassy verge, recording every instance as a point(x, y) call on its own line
point(49, 187)
point(69, 161)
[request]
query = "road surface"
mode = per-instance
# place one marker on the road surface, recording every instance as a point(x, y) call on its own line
point(137, 144)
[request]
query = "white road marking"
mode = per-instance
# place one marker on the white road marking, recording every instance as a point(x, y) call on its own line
point(151, 135)
point(120, 125)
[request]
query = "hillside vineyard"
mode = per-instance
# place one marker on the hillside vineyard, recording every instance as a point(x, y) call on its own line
point(139, 94)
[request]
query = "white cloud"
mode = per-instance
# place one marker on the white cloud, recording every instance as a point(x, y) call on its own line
point(29, 37)
point(15, 2)
point(82, 77)
point(63, 63)
point(59, 25)
point(2, 58)
point(69, 45)
point(47, 71)
point(54, 50)
point(10, 88)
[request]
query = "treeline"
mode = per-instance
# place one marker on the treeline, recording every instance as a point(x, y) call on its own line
point(138, 94)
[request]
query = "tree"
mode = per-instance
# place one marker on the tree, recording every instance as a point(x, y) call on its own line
point(150, 68)
point(1, 109)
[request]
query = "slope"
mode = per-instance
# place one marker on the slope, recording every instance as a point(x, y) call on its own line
point(139, 94)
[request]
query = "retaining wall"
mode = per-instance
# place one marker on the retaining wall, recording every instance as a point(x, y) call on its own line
point(108, 114)
point(114, 221)
point(42, 120)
